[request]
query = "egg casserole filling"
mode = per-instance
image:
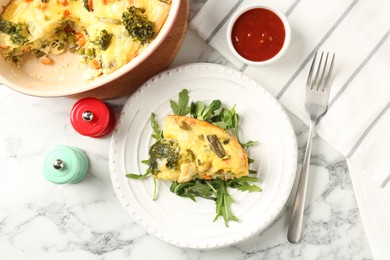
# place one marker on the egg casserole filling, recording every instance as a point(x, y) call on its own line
point(195, 149)
point(106, 34)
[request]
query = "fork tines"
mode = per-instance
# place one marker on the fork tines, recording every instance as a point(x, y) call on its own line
point(322, 78)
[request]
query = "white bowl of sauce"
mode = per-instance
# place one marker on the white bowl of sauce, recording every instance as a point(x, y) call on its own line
point(258, 34)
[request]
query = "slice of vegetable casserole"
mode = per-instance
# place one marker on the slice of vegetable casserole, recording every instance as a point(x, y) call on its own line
point(195, 149)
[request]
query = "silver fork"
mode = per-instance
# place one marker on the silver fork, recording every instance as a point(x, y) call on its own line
point(316, 104)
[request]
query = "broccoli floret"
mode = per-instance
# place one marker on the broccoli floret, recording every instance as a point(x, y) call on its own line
point(103, 40)
point(164, 149)
point(17, 31)
point(6, 27)
point(138, 25)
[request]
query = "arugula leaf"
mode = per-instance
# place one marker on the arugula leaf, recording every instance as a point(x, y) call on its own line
point(223, 203)
point(225, 119)
point(197, 108)
point(158, 134)
point(192, 189)
point(248, 144)
point(242, 184)
point(228, 120)
point(201, 189)
point(201, 112)
point(181, 108)
point(250, 188)
point(216, 189)
point(139, 176)
point(209, 111)
point(235, 120)
point(147, 162)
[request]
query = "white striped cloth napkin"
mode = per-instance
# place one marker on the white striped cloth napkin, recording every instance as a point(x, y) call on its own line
point(357, 123)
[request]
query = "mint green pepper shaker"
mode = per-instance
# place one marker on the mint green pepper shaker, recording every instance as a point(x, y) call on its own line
point(65, 164)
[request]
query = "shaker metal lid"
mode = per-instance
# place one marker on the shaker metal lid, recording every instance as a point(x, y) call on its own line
point(92, 117)
point(65, 164)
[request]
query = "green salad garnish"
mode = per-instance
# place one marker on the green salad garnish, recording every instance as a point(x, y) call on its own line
point(213, 189)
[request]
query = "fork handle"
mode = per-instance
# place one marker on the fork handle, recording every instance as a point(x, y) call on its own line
point(296, 220)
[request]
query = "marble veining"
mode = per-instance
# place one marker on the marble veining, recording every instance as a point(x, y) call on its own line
point(40, 220)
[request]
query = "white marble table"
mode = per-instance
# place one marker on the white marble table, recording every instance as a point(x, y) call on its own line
point(41, 220)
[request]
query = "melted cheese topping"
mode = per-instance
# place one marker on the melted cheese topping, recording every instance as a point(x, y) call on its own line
point(198, 159)
point(44, 17)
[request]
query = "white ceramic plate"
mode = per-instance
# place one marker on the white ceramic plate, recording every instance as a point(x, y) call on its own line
point(180, 221)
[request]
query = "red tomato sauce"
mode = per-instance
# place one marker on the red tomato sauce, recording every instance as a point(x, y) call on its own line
point(258, 34)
